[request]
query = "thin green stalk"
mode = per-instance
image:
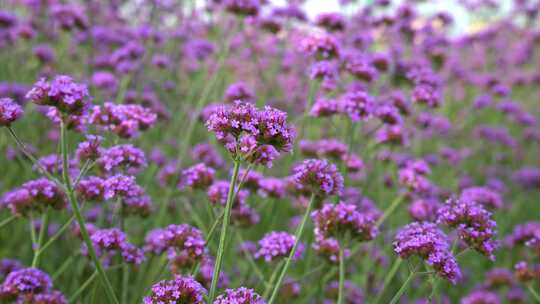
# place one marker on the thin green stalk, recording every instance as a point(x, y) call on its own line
point(34, 161)
point(80, 219)
point(533, 292)
point(125, 282)
point(393, 206)
point(389, 278)
point(313, 88)
point(62, 268)
point(32, 230)
point(402, 289)
point(82, 288)
point(223, 236)
point(7, 221)
point(273, 277)
point(341, 274)
point(57, 234)
point(250, 258)
point(213, 228)
point(298, 236)
point(41, 238)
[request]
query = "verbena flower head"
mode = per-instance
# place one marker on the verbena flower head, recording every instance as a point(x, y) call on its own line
point(428, 242)
point(91, 188)
point(238, 91)
point(181, 289)
point(9, 265)
point(107, 241)
point(206, 272)
point(358, 105)
point(331, 21)
point(24, 283)
point(326, 107)
point(328, 248)
point(207, 154)
point(473, 223)
point(90, 149)
point(62, 93)
point(255, 135)
point(198, 176)
point(243, 7)
point(483, 196)
point(271, 187)
point(339, 220)
point(318, 177)
point(481, 297)
point(217, 193)
point(122, 157)
point(320, 45)
point(37, 195)
point(125, 120)
point(277, 244)
point(121, 186)
point(10, 111)
point(241, 295)
point(352, 293)
point(184, 244)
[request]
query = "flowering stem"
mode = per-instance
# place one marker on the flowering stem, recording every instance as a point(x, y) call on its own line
point(56, 235)
point(83, 287)
point(298, 235)
point(223, 235)
point(403, 287)
point(7, 221)
point(80, 220)
point(341, 274)
point(268, 288)
point(41, 238)
point(389, 278)
point(533, 292)
point(390, 210)
point(32, 229)
point(250, 259)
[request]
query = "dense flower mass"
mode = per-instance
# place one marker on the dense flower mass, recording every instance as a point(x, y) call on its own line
point(255, 135)
point(125, 120)
point(277, 244)
point(107, 241)
point(178, 290)
point(62, 93)
point(9, 112)
point(339, 220)
point(240, 295)
point(34, 195)
point(318, 177)
point(473, 223)
point(428, 242)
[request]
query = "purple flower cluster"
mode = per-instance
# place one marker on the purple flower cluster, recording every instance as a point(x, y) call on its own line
point(122, 157)
point(255, 135)
point(9, 112)
point(481, 297)
point(318, 177)
point(29, 285)
point(428, 242)
point(36, 194)
point(473, 223)
point(184, 244)
point(178, 290)
point(320, 45)
point(90, 149)
point(341, 220)
point(207, 154)
point(109, 241)
point(199, 176)
point(277, 244)
point(125, 120)
point(217, 194)
point(61, 93)
point(241, 295)
point(483, 196)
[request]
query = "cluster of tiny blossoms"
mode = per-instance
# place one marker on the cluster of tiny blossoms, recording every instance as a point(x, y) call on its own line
point(342, 219)
point(178, 290)
point(318, 177)
point(276, 245)
point(256, 136)
point(29, 285)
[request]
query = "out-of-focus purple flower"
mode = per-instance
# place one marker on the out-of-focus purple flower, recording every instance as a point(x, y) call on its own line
point(69, 16)
point(352, 293)
point(44, 53)
point(331, 21)
point(90, 149)
point(271, 187)
point(91, 188)
point(104, 80)
point(527, 177)
point(121, 186)
point(498, 277)
point(206, 272)
point(112, 240)
point(392, 134)
point(36, 194)
point(181, 289)
point(484, 196)
point(318, 177)
point(62, 93)
point(217, 193)
point(125, 120)
point(339, 220)
point(243, 7)
point(25, 282)
point(328, 248)
point(9, 112)
point(320, 45)
point(326, 107)
point(198, 176)
point(424, 209)
point(358, 105)
point(126, 157)
point(276, 245)
point(241, 295)
point(428, 242)
point(473, 223)
point(184, 244)
point(207, 154)
point(7, 266)
point(481, 297)
point(238, 91)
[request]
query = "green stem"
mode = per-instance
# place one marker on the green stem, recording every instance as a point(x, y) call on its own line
point(7, 221)
point(32, 229)
point(41, 238)
point(57, 234)
point(298, 236)
point(533, 292)
point(223, 236)
point(402, 289)
point(273, 277)
point(341, 274)
point(393, 206)
point(62, 268)
point(82, 288)
point(389, 278)
point(80, 219)
point(250, 258)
